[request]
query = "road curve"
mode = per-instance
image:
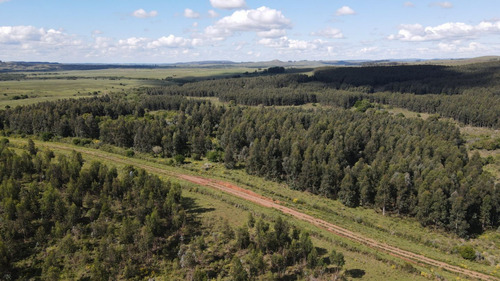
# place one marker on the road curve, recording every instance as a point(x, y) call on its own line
point(267, 202)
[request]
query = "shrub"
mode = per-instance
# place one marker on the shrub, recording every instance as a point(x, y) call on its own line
point(467, 252)
point(179, 158)
point(130, 153)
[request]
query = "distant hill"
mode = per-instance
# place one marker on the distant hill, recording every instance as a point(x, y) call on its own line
point(21, 66)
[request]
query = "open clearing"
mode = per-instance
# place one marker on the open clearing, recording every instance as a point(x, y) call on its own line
point(52, 86)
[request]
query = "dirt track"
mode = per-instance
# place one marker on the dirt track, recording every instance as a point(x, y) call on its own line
point(267, 202)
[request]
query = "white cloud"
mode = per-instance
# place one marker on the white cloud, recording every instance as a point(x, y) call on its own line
point(329, 32)
point(133, 42)
point(26, 35)
point(368, 50)
point(17, 34)
point(409, 4)
point(102, 42)
point(212, 14)
point(273, 33)
point(286, 43)
point(444, 5)
point(142, 14)
point(265, 21)
point(344, 11)
point(188, 13)
point(457, 47)
point(3, 1)
point(170, 41)
point(446, 31)
point(228, 4)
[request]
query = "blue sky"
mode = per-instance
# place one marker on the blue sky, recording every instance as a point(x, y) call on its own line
point(150, 31)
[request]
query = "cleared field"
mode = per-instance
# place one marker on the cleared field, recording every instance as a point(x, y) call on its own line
point(401, 233)
point(11, 92)
point(145, 73)
point(51, 86)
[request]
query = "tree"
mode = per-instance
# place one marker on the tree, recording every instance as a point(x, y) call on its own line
point(278, 263)
point(256, 263)
point(5, 257)
point(337, 259)
point(199, 275)
point(383, 196)
point(242, 238)
point(250, 220)
point(229, 160)
point(457, 220)
point(237, 272)
point(349, 190)
point(281, 230)
point(31, 147)
point(312, 258)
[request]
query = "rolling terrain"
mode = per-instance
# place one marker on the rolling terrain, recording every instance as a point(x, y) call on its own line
point(251, 196)
point(396, 164)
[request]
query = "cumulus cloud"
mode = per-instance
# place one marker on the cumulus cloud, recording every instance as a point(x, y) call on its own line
point(170, 41)
point(212, 14)
point(457, 47)
point(228, 4)
point(446, 31)
point(344, 11)
point(31, 35)
point(286, 43)
point(367, 50)
point(188, 13)
point(142, 14)
point(329, 32)
point(265, 21)
point(444, 5)
point(273, 33)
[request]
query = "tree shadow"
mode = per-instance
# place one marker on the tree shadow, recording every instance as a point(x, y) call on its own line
point(321, 251)
point(355, 273)
point(193, 208)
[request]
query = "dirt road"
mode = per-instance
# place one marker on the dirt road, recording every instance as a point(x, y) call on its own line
point(267, 202)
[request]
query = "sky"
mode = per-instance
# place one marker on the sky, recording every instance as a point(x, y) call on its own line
point(170, 31)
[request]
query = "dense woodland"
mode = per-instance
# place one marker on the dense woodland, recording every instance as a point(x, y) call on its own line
point(407, 167)
point(469, 94)
point(63, 219)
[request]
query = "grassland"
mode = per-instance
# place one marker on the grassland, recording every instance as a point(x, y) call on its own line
point(50, 86)
point(404, 233)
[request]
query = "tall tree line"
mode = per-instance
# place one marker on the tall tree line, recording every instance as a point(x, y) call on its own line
point(406, 166)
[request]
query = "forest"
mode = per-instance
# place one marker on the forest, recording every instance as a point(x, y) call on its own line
point(324, 133)
point(66, 219)
point(402, 166)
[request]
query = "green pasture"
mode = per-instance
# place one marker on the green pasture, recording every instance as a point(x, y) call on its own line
point(51, 86)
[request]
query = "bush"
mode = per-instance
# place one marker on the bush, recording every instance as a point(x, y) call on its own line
point(46, 136)
point(179, 158)
point(130, 153)
point(214, 156)
point(467, 252)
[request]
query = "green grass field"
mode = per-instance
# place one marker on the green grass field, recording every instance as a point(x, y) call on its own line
point(51, 86)
point(404, 233)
